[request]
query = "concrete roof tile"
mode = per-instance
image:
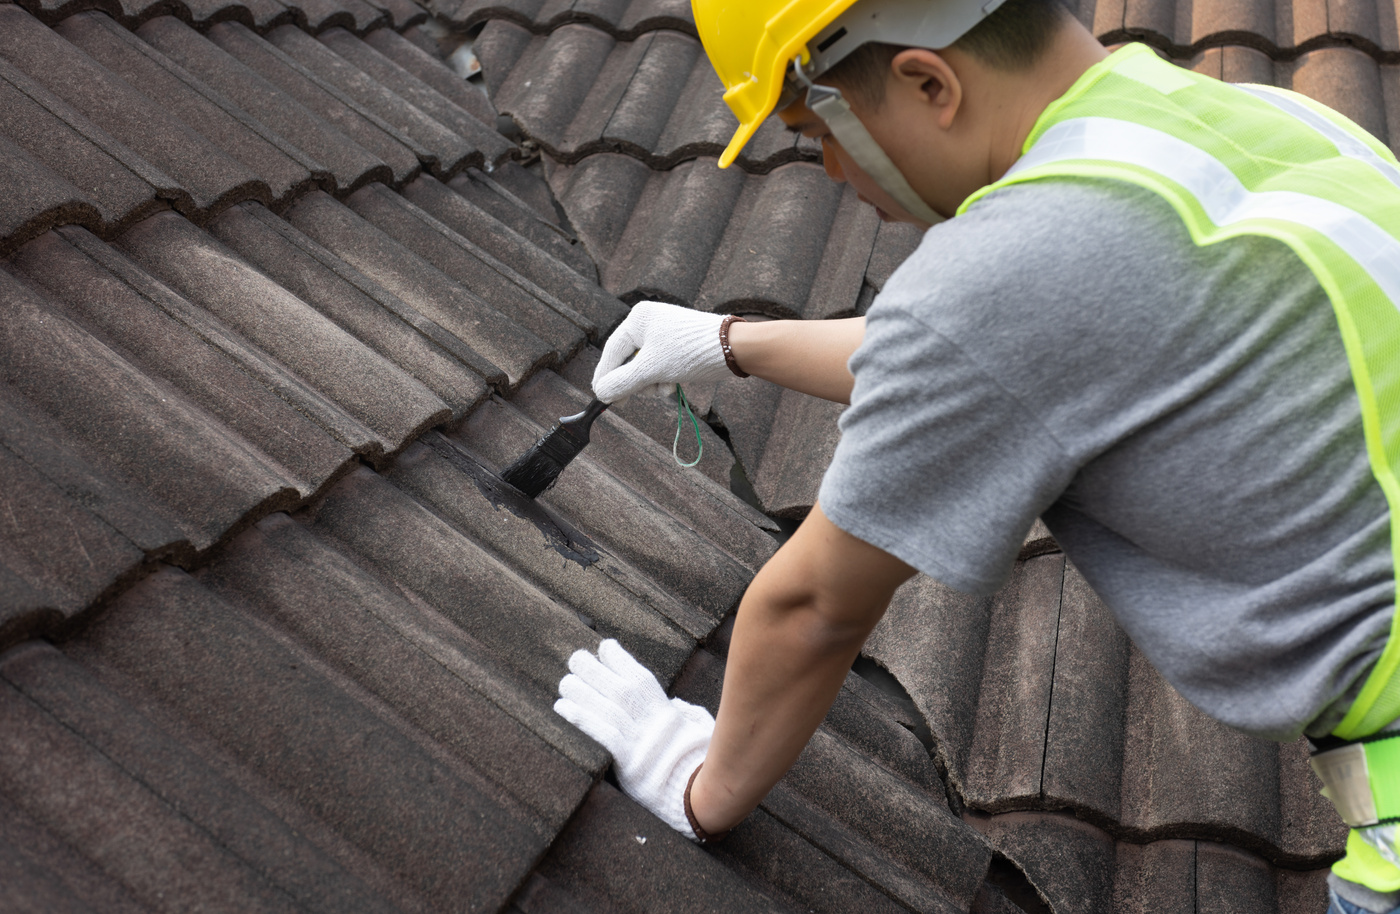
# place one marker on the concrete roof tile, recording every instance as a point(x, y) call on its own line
point(1349, 81)
point(349, 163)
point(1156, 878)
point(284, 169)
point(55, 138)
point(688, 495)
point(578, 91)
point(623, 18)
point(534, 308)
point(447, 687)
point(325, 100)
point(288, 718)
point(496, 240)
point(40, 198)
point(614, 856)
point(177, 777)
point(471, 123)
point(433, 72)
point(385, 530)
point(194, 473)
point(45, 874)
point(209, 180)
point(372, 392)
point(508, 346)
point(486, 192)
point(59, 557)
point(372, 314)
point(162, 346)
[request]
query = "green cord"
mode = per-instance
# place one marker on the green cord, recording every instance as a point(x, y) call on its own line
point(683, 410)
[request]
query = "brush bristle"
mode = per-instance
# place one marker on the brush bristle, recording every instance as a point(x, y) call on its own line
point(534, 472)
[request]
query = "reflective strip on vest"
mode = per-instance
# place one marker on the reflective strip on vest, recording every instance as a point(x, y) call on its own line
point(1253, 160)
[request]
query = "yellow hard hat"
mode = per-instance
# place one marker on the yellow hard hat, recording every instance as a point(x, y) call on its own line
point(750, 43)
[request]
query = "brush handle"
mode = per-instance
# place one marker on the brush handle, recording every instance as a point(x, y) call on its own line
point(579, 424)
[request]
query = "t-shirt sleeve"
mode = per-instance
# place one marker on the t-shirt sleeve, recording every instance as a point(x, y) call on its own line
point(937, 464)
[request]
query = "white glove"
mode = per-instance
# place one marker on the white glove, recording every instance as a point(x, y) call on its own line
point(656, 744)
point(674, 345)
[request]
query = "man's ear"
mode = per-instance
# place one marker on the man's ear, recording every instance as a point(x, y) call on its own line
point(928, 75)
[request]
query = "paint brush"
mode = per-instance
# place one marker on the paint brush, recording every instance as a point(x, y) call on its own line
point(540, 466)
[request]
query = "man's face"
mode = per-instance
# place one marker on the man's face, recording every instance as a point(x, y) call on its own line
point(839, 167)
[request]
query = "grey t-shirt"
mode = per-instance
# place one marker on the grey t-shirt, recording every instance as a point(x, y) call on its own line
point(1183, 419)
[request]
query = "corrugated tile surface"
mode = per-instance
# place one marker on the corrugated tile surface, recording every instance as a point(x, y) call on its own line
point(275, 637)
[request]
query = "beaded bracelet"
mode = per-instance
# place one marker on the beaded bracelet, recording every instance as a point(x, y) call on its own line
point(729, 350)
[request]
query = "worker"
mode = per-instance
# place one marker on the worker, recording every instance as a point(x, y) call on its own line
point(1153, 309)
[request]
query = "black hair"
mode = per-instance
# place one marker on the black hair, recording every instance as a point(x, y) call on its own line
point(1014, 37)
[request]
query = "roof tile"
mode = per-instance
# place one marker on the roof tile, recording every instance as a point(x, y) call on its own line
point(209, 179)
point(438, 679)
point(349, 164)
point(578, 91)
point(218, 812)
point(284, 169)
point(39, 199)
point(473, 122)
point(59, 557)
point(433, 72)
point(623, 18)
point(325, 100)
point(488, 331)
point(481, 230)
point(191, 470)
point(98, 172)
point(98, 292)
point(486, 192)
point(391, 405)
point(1345, 79)
point(435, 145)
point(372, 314)
point(277, 711)
point(541, 312)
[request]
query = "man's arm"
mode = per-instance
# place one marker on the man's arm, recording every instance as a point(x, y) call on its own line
point(806, 356)
point(660, 345)
point(799, 629)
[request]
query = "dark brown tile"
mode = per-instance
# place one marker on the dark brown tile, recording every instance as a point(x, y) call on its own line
point(490, 194)
point(194, 474)
point(217, 811)
point(40, 198)
point(388, 532)
point(478, 132)
point(208, 179)
point(526, 304)
point(671, 555)
point(285, 171)
point(446, 686)
point(348, 163)
point(429, 68)
point(101, 291)
point(436, 145)
point(322, 98)
point(512, 349)
point(1069, 862)
point(363, 308)
point(616, 857)
point(69, 152)
point(481, 230)
point(448, 836)
point(1345, 79)
point(1156, 878)
point(364, 400)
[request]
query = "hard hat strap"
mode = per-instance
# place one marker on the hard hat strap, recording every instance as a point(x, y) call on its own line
point(828, 104)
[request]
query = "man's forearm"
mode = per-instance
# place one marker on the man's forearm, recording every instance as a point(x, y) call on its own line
point(799, 628)
point(806, 356)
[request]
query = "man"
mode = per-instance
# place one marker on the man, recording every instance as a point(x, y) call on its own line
point(1163, 319)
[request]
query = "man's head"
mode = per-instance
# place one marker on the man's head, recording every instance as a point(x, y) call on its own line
point(932, 85)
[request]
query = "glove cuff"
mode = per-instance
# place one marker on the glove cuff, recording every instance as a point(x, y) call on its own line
point(702, 837)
